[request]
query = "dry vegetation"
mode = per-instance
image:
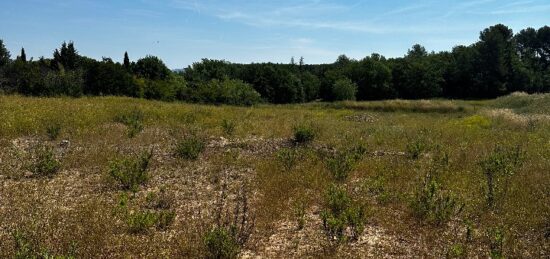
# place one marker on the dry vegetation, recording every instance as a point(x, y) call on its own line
point(127, 178)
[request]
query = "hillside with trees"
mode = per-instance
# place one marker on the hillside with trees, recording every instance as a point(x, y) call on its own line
point(501, 62)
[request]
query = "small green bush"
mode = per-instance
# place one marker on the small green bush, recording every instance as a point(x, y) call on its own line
point(23, 247)
point(220, 243)
point(129, 172)
point(341, 213)
point(53, 131)
point(228, 127)
point(140, 222)
point(190, 148)
point(498, 167)
point(433, 204)
point(45, 165)
point(340, 166)
point(133, 120)
point(303, 134)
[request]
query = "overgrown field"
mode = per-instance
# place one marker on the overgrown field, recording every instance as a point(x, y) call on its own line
point(128, 178)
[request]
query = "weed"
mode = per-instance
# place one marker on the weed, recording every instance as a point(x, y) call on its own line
point(498, 167)
point(164, 219)
point(221, 243)
point(53, 131)
point(377, 188)
point(300, 214)
point(133, 120)
point(433, 204)
point(228, 127)
point(288, 157)
point(131, 172)
point(496, 243)
point(159, 200)
point(190, 148)
point(303, 134)
point(456, 251)
point(45, 165)
point(416, 148)
point(342, 163)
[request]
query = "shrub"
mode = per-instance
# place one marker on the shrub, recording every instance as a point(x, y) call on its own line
point(133, 120)
point(190, 148)
point(140, 222)
point(23, 247)
point(130, 173)
point(433, 204)
point(303, 134)
point(342, 213)
point(344, 89)
point(228, 127)
point(226, 91)
point(233, 226)
point(45, 165)
point(221, 244)
point(498, 167)
point(340, 166)
point(53, 131)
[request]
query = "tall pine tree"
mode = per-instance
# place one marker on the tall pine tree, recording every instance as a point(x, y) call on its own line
point(23, 56)
point(126, 61)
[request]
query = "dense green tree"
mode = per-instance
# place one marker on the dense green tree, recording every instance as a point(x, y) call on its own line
point(65, 57)
point(418, 75)
point(152, 68)
point(109, 78)
point(4, 55)
point(459, 81)
point(344, 89)
point(496, 53)
point(373, 78)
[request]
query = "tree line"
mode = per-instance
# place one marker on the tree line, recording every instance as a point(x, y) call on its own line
point(499, 63)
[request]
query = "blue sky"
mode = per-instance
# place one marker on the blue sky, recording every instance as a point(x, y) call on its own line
point(184, 31)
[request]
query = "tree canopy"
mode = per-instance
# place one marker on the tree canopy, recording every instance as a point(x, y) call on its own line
point(501, 62)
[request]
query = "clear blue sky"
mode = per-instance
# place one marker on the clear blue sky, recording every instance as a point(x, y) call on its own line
point(184, 31)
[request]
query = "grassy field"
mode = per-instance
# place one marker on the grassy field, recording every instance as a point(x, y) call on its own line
point(127, 178)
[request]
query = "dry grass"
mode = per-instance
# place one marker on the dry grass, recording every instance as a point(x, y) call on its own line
point(78, 212)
